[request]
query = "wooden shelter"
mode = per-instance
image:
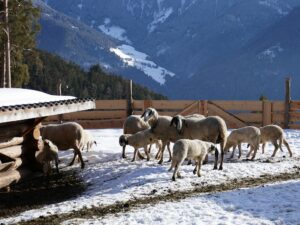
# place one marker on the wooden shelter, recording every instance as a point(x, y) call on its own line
point(20, 116)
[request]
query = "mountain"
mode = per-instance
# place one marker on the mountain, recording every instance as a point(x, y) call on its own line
point(185, 49)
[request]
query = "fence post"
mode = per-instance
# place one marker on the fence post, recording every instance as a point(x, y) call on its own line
point(287, 102)
point(267, 113)
point(129, 99)
point(204, 107)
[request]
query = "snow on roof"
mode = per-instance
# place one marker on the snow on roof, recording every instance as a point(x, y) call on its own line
point(19, 96)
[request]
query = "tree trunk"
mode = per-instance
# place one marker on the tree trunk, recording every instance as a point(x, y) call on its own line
point(7, 46)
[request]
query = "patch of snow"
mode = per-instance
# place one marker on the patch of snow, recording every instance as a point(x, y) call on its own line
point(134, 58)
point(110, 179)
point(185, 5)
point(80, 6)
point(270, 53)
point(277, 6)
point(19, 96)
point(159, 17)
point(74, 27)
point(272, 204)
point(114, 31)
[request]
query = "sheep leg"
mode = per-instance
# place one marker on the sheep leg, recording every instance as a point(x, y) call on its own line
point(77, 150)
point(240, 150)
point(275, 149)
point(170, 153)
point(123, 152)
point(199, 168)
point(56, 164)
point(134, 154)
point(146, 152)
point(175, 172)
point(287, 146)
point(216, 159)
point(263, 148)
point(157, 156)
point(233, 150)
point(150, 146)
point(74, 157)
point(205, 159)
point(222, 146)
point(250, 151)
point(222, 158)
point(254, 153)
point(196, 168)
point(162, 154)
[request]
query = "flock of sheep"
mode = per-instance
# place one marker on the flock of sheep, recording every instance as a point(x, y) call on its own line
point(194, 136)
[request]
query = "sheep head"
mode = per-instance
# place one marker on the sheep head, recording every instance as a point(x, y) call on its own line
point(149, 113)
point(177, 123)
point(123, 140)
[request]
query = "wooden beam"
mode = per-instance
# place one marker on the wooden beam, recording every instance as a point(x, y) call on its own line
point(267, 113)
point(287, 102)
point(192, 108)
point(212, 107)
point(12, 142)
point(13, 176)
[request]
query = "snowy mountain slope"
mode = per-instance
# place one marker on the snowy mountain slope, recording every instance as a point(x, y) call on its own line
point(183, 38)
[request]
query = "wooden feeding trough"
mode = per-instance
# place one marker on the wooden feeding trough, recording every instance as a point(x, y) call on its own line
point(21, 112)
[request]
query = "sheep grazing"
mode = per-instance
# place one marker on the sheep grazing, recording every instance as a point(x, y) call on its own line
point(48, 152)
point(212, 129)
point(132, 125)
point(66, 136)
point(249, 134)
point(160, 127)
point(273, 133)
point(190, 149)
point(138, 140)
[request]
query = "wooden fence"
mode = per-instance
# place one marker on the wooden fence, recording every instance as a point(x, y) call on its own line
point(111, 113)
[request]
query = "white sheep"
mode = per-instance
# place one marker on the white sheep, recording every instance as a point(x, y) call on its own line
point(65, 136)
point(48, 152)
point(89, 140)
point(138, 140)
point(160, 127)
point(132, 125)
point(273, 133)
point(249, 134)
point(212, 129)
point(190, 149)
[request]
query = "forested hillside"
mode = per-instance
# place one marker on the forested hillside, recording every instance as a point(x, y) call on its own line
point(46, 73)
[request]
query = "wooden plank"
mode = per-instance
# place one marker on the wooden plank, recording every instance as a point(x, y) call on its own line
point(138, 104)
point(225, 115)
point(190, 109)
point(12, 142)
point(111, 104)
point(267, 113)
point(171, 104)
point(204, 108)
point(13, 176)
point(278, 106)
point(295, 105)
point(250, 117)
point(294, 126)
point(278, 117)
point(94, 115)
point(294, 116)
point(12, 151)
point(240, 105)
point(101, 124)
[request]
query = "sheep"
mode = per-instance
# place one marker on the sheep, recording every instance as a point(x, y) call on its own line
point(273, 133)
point(249, 134)
point(88, 140)
point(138, 140)
point(190, 149)
point(48, 152)
point(132, 125)
point(212, 129)
point(65, 136)
point(160, 127)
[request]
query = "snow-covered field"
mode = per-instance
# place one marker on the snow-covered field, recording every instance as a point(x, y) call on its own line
point(111, 179)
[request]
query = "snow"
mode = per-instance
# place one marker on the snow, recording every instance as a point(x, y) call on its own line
point(114, 31)
point(111, 179)
point(270, 53)
point(277, 6)
point(139, 60)
point(159, 17)
point(19, 96)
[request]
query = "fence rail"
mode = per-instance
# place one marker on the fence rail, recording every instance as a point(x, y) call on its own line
point(111, 113)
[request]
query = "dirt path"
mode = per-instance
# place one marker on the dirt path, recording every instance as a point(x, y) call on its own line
point(154, 199)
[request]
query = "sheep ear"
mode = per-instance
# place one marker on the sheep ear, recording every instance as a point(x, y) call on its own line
point(179, 125)
point(143, 115)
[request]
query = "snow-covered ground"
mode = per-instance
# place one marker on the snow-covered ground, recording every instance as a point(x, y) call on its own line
point(111, 179)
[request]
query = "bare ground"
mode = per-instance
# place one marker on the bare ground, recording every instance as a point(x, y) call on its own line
point(27, 196)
